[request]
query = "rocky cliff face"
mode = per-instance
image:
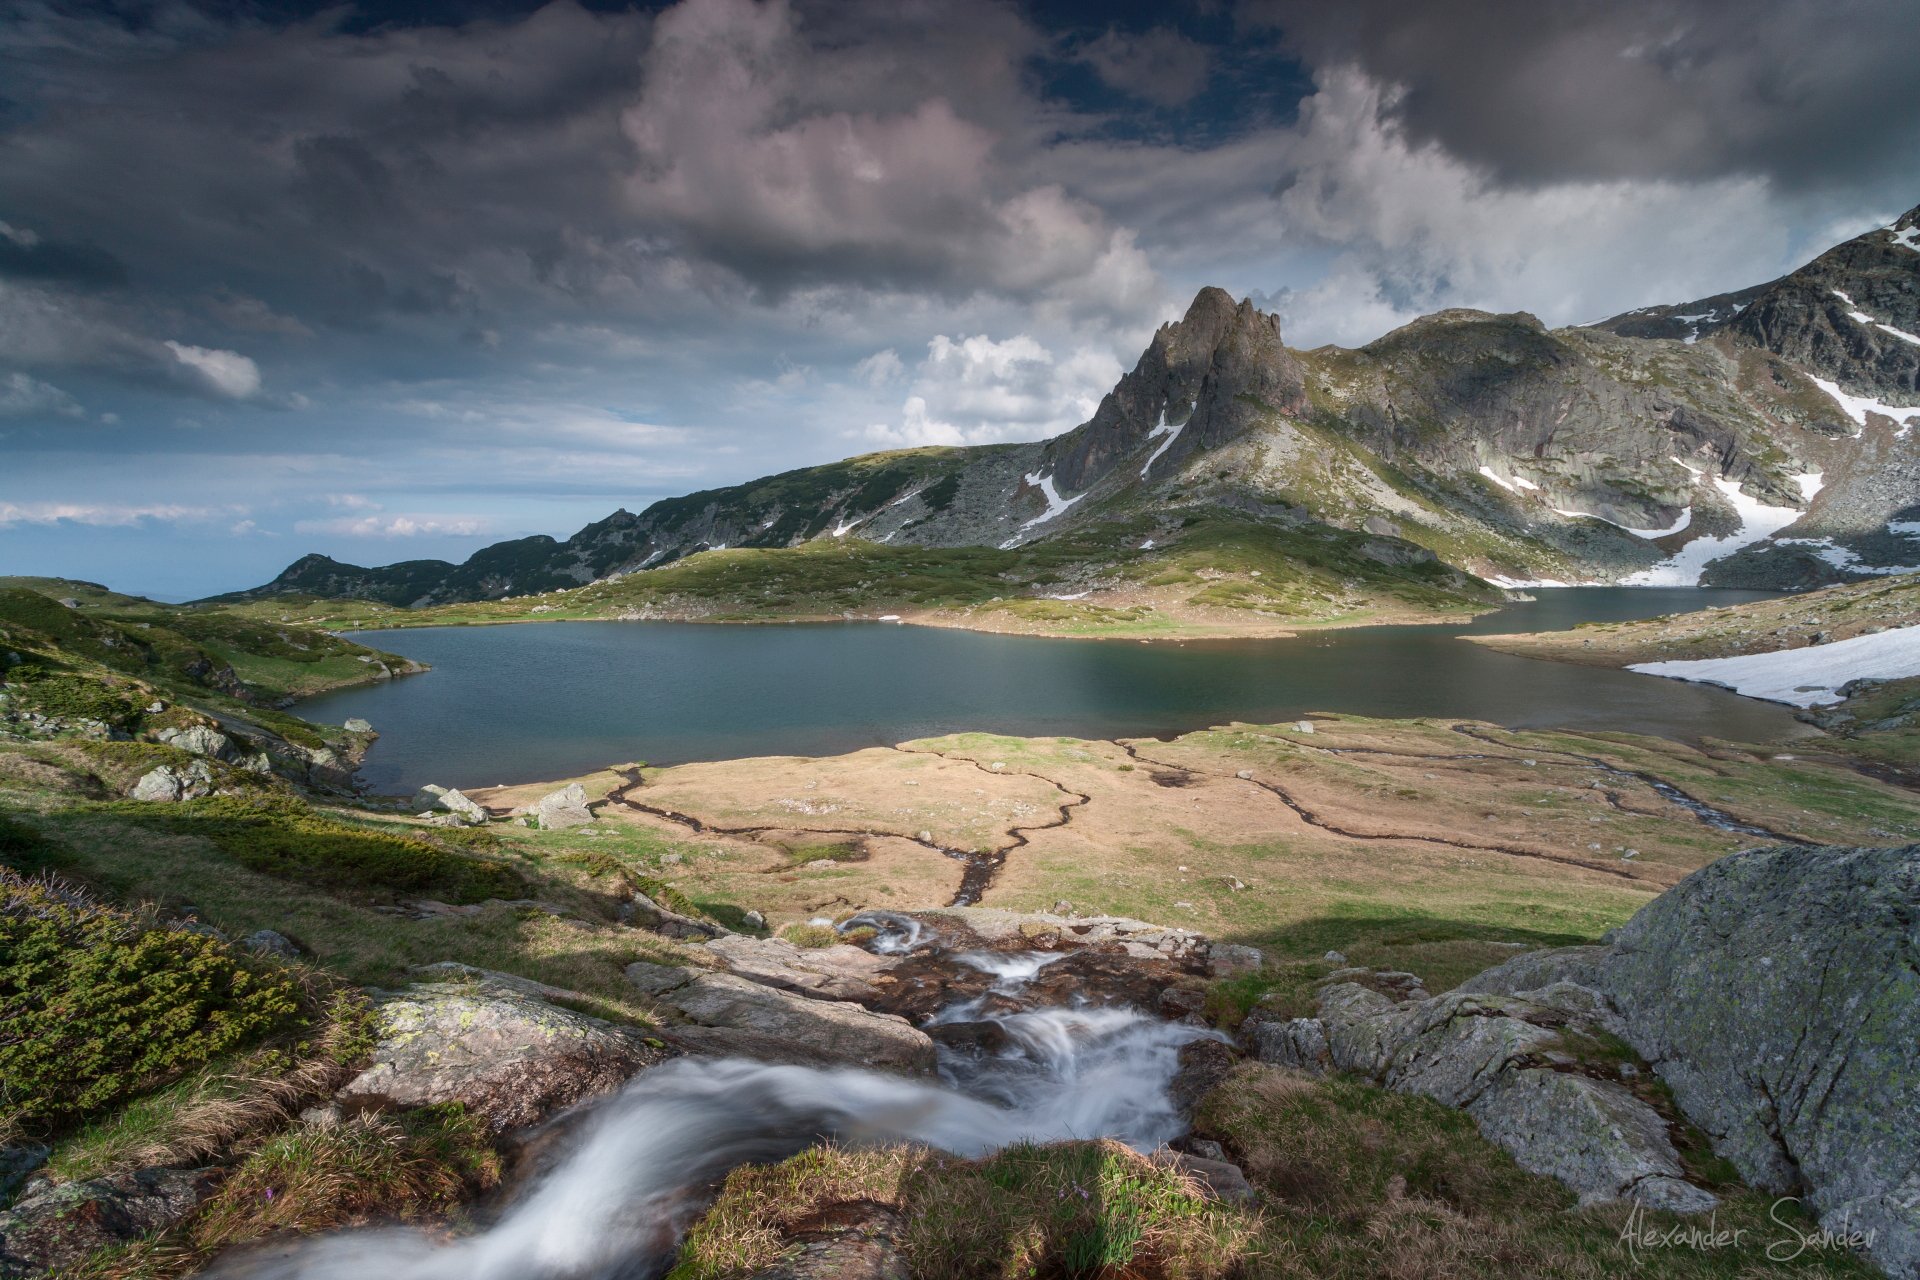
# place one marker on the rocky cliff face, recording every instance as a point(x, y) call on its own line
point(1755, 438)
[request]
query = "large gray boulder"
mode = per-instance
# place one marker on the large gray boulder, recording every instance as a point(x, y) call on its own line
point(565, 808)
point(1777, 992)
point(835, 1029)
point(430, 798)
point(200, 739)
point(497, 1045)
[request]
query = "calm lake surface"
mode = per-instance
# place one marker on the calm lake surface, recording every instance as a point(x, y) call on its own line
point(541, 700)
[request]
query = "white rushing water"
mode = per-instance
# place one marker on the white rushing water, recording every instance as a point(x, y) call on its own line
point(615, 1206)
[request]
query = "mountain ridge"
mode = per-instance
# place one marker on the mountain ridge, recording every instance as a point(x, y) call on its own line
point(1754, 438)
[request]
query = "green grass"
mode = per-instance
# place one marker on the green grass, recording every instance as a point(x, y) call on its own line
point(283, 836)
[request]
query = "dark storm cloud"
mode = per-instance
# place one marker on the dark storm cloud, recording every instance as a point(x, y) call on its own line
point(25, 256)
point(1804, 92)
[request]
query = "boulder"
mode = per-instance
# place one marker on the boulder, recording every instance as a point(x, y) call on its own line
point(496, 1044)
point(355, 724)
point(1776, 992)
point(1298, 1043)
point(1224, 959)
point(448, 800)
point(271, 943)
point(200, 739)
point(60, 1226)
point(838, 972)
point(1220, 1180)
point(565, 808)
point(834, 1028)
point(167, 783)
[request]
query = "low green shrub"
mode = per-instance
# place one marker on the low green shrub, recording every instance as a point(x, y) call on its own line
point(97, 1004)
point(23, 848)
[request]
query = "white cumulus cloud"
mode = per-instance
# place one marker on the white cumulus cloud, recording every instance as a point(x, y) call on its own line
point(226, 372)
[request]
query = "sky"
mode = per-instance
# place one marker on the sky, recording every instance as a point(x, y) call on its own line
point(394, 281)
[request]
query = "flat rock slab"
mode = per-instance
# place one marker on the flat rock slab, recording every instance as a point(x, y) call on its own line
point(497, 1046)
point(833, 1028)
point(839, 972)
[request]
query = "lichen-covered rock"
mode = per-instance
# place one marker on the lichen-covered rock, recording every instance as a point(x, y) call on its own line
point(1484, 1053)
point(1533, 970)
point(835, 1028)
point(497, 1046)
point(1777, 992)
point(1593, 1135)
point(60, 1226)
point(565, 808)
point(200, 739)
point(648, 914)
point(1452, 1048)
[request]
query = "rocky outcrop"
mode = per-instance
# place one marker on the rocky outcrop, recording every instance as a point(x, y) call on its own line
point(1777, 992)
point(496, 1044)
point(200, 739)
point(60, 1226)
point(173, 783)
point(834, 1029)
point(1500, 1058)
point(858, 1241)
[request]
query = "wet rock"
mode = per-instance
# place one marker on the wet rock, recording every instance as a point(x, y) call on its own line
point(494, 1043)
point(1203, 1065)
point(565, 808)
point(844, 1242)
point(445, 799)
point(833, 1028)
point(60, 1226)
point(271, 943)
point(1298, 1043)
point(1177, 1003)
point(17, 1163)
point(974, 1037)
point(168, 783)
point(838, 972)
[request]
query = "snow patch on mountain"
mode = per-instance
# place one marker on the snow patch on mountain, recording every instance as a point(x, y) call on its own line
point(1758, 522)
point(1803, 677)
point(1170, 431)
point(1056, 505)
point(1858, 407)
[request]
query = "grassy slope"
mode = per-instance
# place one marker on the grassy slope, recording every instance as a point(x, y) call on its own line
point(1217, 575)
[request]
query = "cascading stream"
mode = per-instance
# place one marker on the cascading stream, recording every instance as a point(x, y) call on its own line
point(615, 1207)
